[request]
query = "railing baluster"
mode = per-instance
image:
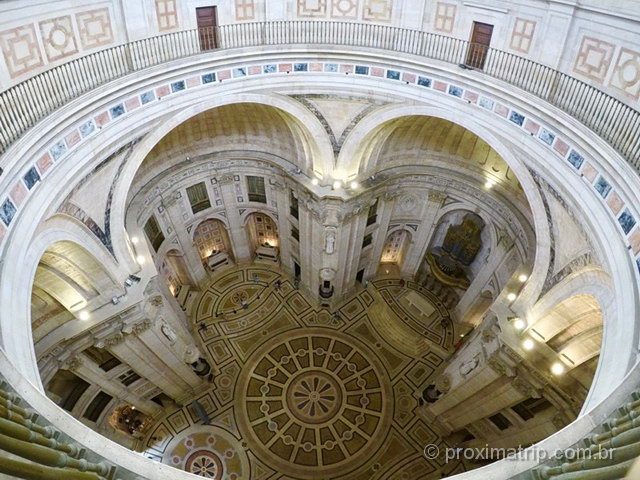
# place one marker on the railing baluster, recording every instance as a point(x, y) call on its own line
point(26, 103)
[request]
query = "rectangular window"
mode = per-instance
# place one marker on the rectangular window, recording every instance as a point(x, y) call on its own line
point(128, 378)
point(153, 232)
point(293, 208)
point(256, 190)
point(372, 216)
point(528, 408)
point(198, 197)
point(366, 241)
point(103, 358)
point(295, 233)
point(75, 391)
point(97, 405)
point(500, 421)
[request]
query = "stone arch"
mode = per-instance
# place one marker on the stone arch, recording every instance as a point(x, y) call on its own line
point(396, 246)
point(68, 279)
point(211, 236)
point(260, 235)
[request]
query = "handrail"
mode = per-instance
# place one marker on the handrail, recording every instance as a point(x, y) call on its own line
point(24, 104)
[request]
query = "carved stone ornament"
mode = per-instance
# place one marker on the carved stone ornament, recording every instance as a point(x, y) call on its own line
point(443, 383)
point(436, 196)
point(156, 300)
point(72, 364)
point(327, 274)
point(524, 387)
point(111, 341)
point(469, 366)
point(498, 365)
point(225, 179)
point(140, 327)
point(191, 354)
point(488, 335)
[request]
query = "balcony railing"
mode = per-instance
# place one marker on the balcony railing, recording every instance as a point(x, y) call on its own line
point(23, 105)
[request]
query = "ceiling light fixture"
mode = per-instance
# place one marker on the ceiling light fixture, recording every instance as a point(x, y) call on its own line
point(519, 323)
point(557, 368)
point(528, 344)
point(83, 315)
point(511, 297)
point(522, 278)
point(140, 259)
point(314, 181)
point(134, 240)
point(354, 185)
point(337, 184)
point(489, 184)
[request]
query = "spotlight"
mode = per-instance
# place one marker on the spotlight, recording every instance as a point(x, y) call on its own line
point(354, 185)
point(557, 368)
point(314, 181)
point(519, 324)
point(489, 184)
point(134, 240)
point(522, 278)
point(140, 259)
point(297, 171)
point(83, 315)
point(511, 297)
point(337, 184)
point(372, 178)
point(188, 158)
point(115, 300)
point(528, 344)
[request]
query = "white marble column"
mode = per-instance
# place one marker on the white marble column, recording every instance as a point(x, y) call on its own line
point(422, 237)
point(237, 232)
point(496, 258)
point(85, 368)
point(141, 346)
point(385, 209)
point(176, 211)
point(284, 226)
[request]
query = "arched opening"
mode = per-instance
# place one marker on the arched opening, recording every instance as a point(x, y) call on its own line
point(174, 270)
point(263, 234)
point(455, 254)
point(232, 128)
point(68, 280)
point(212, 242)
point(395, 250)
point(571, 331)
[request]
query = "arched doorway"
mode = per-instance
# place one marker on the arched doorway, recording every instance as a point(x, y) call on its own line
point(174, 270)
point(263, 235)
point(395, 250)
point(212, 242)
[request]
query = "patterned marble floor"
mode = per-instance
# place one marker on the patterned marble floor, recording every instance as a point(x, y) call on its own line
point(304, 393)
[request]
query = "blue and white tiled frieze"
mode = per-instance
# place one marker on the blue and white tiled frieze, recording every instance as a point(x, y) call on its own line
point(546, 135)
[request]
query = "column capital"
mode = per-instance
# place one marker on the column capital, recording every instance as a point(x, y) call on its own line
point(72, 363)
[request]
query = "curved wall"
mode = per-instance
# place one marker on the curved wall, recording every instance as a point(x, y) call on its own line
point(528, 135)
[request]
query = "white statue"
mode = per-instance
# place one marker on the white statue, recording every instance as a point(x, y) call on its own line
point(330, 240)
point(469, 366)
point(169, 333)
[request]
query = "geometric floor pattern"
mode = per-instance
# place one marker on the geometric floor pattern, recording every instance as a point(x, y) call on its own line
point(304, 393)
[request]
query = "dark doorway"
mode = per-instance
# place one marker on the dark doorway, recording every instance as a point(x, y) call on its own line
point(207, 27)
point(479, 44)
point(360, 276)
point(296, 270)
